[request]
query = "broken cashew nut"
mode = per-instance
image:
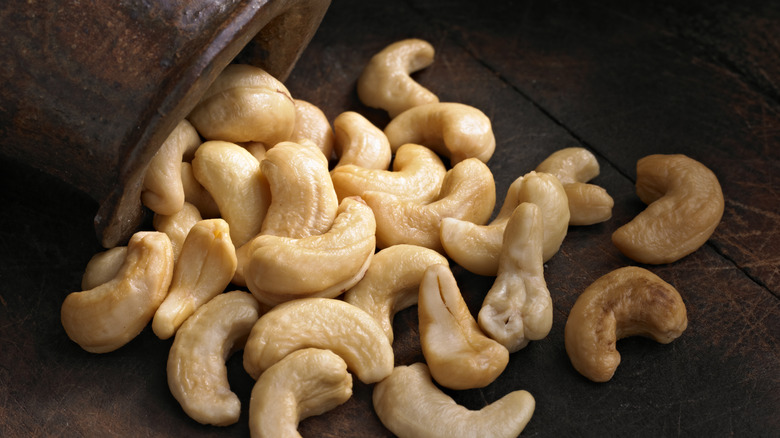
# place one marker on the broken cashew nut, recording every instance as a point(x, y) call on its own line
point(359, 142)
point(312, 124)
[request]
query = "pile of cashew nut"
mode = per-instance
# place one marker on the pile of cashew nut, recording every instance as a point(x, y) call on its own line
point(295, 240)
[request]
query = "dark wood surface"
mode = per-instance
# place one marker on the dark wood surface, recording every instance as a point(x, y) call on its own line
point(624, 79)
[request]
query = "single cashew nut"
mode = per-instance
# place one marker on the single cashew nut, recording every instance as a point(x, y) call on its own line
point(359, 142)
point(197, 375)
point(459, 355)
point(629, 301)
point(385, 82)
point(177, 226)
point(304, 383)
point(205, 266)
point(392, 282)
point(312, 124)
point(455, 130)
point(103, 266)
point(109, 316)
point(325, 323)
point(245, 103)
point(197, 195)
point(409, 404)
point(518, 308)
point(685, 205)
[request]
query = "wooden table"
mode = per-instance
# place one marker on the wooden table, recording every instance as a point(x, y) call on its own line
point(623, 79)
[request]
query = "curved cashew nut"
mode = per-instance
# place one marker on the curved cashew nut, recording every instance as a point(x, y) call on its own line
point(205, 266)
point(177, 226)
point(245, 103)
point(685, 206)
point(325, 323)
point(385, 82)
point(410, 405)
point(197, 195)
point(279, 268)
point(574, 167)
point(455, 130)
point(468, 192)
point(197, 375)
point(109, 316)
point(392, 282)
point(518, 307)
point(417, 175)
point(359, 142)
point(626, 302)
point(304, 383)
point(459, 355)
point(312, 124)
point(103, 266)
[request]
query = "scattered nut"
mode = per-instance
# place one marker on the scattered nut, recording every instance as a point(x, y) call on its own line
point(359, 142)
point(312, 124)
point(103, 266)
point(177, 226)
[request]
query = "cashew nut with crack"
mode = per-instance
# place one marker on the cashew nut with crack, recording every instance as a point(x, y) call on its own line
point(103, 266)
point(685, 205)
point(304, 383)
point(359, 142)
point(109, 316)
point(312, 124)
point(177, 226)
point(385, 82)
point(629, 301)
point(197, 375)
point(409, 404)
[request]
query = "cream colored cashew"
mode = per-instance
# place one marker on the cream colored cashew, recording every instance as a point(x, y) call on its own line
point(459, 355)
point(392, 282)
point(197, 375)
point(233, 177)
point(177, 226)
point(205, 266)
point(312, 124)
point(685, 205)
point(385, 82)
point(304, 383)
point(197, 195)
point(359, 142)
point(417, 176)
point(256, 148)
point(468, 192)
point(109, 316)
point(102, 267)
point(245, 103)
point(325, 323)
point(455, 130)
point(629, 301)
point(409, 404)
point(518, 308)
point(574, 167)
point(280, 268)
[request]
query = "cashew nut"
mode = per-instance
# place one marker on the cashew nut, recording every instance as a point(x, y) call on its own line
point(409, 404)
point(629, 301)
point(312, 124)
point(385, 82)
point(417, 175)
point(177, 226)
point(518, 308)
point(102, 267)
point(197, 195)
point(459, 355)
point(109, 316)
point(468, 192)
point(245, 103)
point(455, 130)
point(685, 205)
point(359, 142)
point(281, 268)
point(197, 375)
point(304, 383)
point(392, 282)
point(325, 323)
point(574, 167)
point(205, 266)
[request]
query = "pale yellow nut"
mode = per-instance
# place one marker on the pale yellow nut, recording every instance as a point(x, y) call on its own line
point(459, 355)
point(256, 148)
point(454, 130)
point(205, 266)
point(197, 375)
point(385, 82)
point(359, 142)
point(312, 124)
point(245, 103)
point(197, 195)
point(629, 301)
point(109, 316)
point(177, 226)
point(417, 175)
point(102, 267)
point(468, 192)
point(325, 323)
point(392, 282)
point(303, 200)
point(303, 384)
point(685, 205)
point(233, 177)
point(280, 269)
point(409, 404)
point(518, 308)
